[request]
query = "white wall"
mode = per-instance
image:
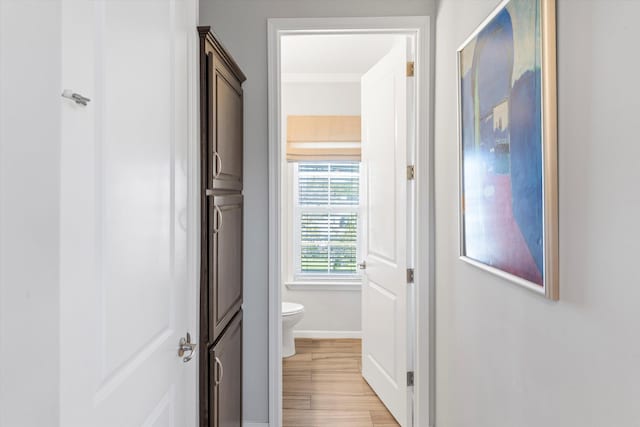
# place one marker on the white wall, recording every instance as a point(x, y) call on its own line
point(507, 357)
point(320, 98)
point(336, 311)
point(242, 26)
point(29, 204)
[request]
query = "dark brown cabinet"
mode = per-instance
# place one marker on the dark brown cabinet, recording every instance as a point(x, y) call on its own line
point(225, 364)
point(221, 223)
point(225, 252)
point(224, 116)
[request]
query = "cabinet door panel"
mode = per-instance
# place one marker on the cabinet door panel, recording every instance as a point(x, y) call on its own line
point(228, 130)
point(226, 372)
point(225, 281)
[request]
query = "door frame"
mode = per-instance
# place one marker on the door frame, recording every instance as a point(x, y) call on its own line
point(420, 28)
point(193, 205)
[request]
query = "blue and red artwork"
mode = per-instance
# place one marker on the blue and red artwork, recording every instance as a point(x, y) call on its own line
point(501, 137)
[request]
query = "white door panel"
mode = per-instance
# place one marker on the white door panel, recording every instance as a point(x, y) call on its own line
point(384, 190)
point(124, 265)
point(381, 158)
point(382, 349)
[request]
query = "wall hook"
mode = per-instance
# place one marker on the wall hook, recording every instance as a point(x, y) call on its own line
point(79, 99)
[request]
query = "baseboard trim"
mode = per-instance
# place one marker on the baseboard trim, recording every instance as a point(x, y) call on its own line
point(255, 424)
point(327, 334)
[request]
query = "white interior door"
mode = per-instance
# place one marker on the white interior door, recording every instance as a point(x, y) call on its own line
point(126, 296)
point(385, 227)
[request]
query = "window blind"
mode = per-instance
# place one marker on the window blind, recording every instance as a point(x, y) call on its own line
point(328, 210)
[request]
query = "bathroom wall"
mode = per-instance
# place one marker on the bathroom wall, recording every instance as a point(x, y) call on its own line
point(507, 357)
point(328, 313)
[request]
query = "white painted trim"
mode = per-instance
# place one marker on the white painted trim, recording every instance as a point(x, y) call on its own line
point(420, 27)
point(275, 280)
point(352, 286)
point(424, 285)
point(321, 77)
point(248, 424)
point(328, 334)
point(193, 203)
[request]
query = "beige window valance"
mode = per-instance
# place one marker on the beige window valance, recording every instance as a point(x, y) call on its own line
point(322, 138)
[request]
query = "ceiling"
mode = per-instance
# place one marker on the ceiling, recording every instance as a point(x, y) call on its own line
point(351, 54)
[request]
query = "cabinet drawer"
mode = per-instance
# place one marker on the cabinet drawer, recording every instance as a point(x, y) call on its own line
point(225, 262)
point(225, 366)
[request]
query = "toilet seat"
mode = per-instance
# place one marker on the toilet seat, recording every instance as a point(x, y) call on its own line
point(291, 308)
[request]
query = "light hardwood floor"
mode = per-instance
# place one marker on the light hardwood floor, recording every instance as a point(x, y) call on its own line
point(322, 386)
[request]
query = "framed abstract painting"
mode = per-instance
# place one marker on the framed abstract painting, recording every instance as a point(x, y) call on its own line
point(507, 120)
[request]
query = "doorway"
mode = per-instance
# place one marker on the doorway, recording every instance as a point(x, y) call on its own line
point(349, 179)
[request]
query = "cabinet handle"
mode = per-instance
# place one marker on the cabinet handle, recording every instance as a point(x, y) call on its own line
point(218, 224)
point(218, 164)
point(219, 371)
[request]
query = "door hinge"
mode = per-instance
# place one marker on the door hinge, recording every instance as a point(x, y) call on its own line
point(410, 378)
point(410, 68)
point(410, 275)
point(411, 172)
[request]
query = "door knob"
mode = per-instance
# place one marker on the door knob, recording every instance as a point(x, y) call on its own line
point(186, 350)
point(362, 265)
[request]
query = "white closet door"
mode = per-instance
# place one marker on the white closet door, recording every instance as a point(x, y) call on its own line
point(125, 288)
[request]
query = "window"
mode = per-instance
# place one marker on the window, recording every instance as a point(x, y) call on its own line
point(326, 219)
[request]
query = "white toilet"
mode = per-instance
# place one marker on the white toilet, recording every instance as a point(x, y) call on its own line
point(292, 313)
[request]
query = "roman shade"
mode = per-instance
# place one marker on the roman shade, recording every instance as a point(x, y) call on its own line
point(323, 138)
